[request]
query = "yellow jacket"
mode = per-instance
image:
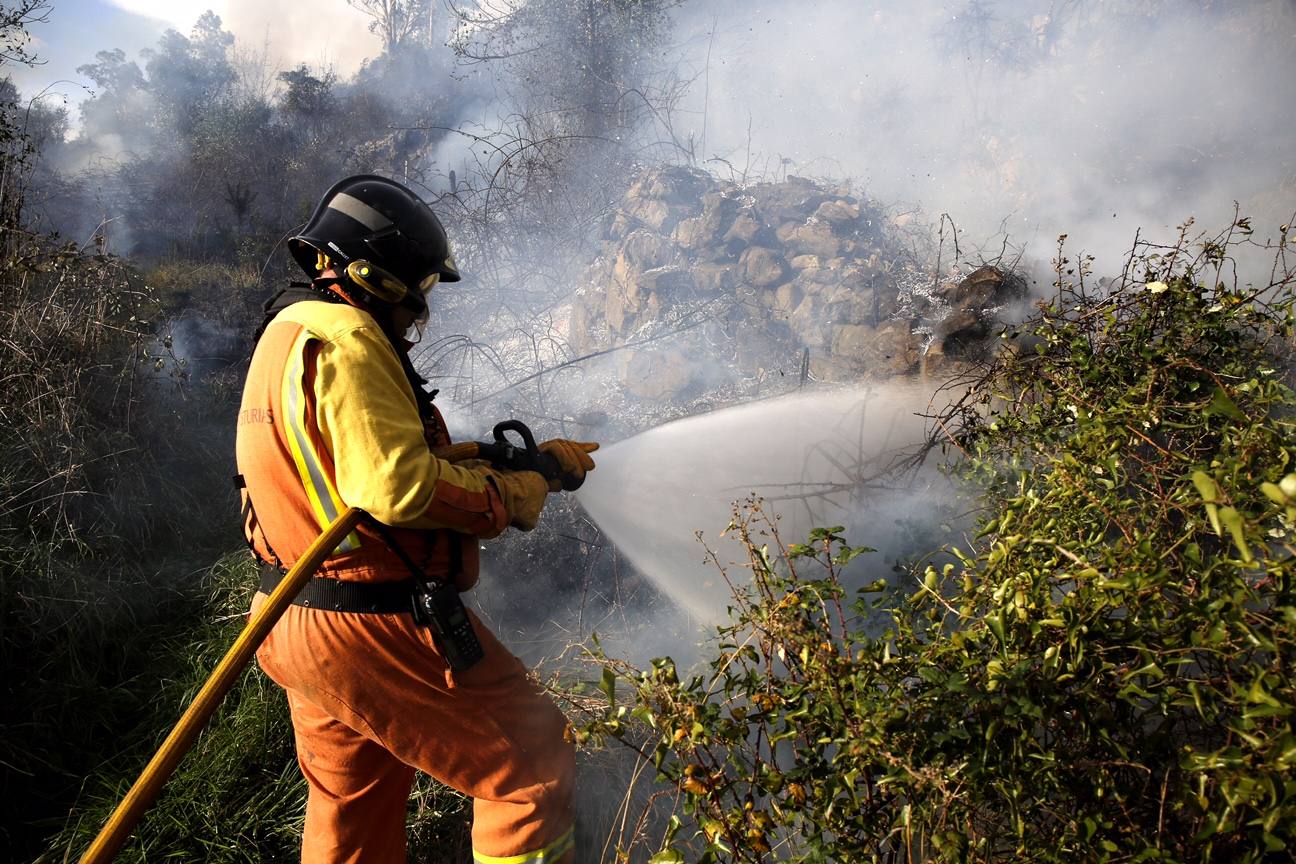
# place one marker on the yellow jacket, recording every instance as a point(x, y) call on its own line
point(329, 420)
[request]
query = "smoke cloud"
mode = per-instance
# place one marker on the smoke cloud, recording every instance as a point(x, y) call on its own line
point(1029, 117)
point(322, 33)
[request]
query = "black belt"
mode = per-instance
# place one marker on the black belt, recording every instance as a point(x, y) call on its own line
point(336, 595)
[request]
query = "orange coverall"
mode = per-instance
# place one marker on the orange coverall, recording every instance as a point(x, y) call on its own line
point(329, 420)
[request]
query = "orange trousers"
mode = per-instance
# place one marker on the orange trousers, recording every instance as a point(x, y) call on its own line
point(372, 699)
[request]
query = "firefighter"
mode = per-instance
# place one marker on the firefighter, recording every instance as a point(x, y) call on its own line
point(334, 415)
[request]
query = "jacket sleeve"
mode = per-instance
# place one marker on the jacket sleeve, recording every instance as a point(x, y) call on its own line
point(370, 424)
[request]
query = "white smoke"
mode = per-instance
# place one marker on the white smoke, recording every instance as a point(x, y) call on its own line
point(322, 33)
point(1030, 116)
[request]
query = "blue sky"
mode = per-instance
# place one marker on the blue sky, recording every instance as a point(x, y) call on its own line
point(75, 31)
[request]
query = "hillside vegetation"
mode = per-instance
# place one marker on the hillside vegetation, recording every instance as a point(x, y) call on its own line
point(1101, 671)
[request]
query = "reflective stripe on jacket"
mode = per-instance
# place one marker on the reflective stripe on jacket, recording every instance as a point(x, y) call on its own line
point(328, 420)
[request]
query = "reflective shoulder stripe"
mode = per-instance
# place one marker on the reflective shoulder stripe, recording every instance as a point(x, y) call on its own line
point(547, 855)
point(318, 484)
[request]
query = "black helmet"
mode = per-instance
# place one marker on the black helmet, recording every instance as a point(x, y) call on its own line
point(374, 219)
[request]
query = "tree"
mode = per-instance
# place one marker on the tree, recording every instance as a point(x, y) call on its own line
point(121, 108)
point(399, 22)
point(15, 41)
point(17, 147)
point(586, 63)
point(188, 75)
point(307, 97)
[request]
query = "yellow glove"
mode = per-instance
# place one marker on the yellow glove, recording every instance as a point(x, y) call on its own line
point(524, 494)
point(573, 458)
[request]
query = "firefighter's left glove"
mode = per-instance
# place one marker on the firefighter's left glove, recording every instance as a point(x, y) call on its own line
point(524, 494)
point(573, 460)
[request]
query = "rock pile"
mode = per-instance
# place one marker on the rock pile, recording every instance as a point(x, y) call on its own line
point(763, 277)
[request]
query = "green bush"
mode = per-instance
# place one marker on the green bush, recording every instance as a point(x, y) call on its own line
point(1105, 673)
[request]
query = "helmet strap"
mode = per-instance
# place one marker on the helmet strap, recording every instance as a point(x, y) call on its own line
point(334, 290)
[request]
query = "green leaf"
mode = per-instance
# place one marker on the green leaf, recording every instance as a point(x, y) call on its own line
point(1273, 493)
point(608, 685)
point(1206, 487)
point(996, 625)
point(1212, 513)
point(1259, 696)
point(1232, 520)
point(1221, 405)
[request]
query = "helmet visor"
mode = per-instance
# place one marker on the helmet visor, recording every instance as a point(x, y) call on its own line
point(415, 333)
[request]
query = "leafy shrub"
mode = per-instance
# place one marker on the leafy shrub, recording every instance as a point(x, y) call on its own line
point(1104, 674)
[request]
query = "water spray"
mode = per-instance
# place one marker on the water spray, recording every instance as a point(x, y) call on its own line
point(814, 459)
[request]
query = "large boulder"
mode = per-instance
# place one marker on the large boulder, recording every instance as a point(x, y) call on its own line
point(838, 212)
point(710, 277)
point(783, 300)
point(582, 322)
point(984, 286)
point(891, 348)
point(674, 185)
point(962, 335)
point(806, 262)
point(692, 234)
point(659, 375)
point(812, 237)
point(851, 304)
point(704, 234)
point(618, 311)
point(641, 250)
point(794, 198)
point(670, 281)
point(828, 368)
point(658, 215)
point(762, 267)
point(641, 296)
point(746, 229)
point(807, 322)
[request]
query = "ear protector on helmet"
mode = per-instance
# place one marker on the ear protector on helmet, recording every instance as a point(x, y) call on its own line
point(377, 282)
point(383, 286)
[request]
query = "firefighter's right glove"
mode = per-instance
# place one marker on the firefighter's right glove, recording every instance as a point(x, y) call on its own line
point(524, 494)
point(573, 460)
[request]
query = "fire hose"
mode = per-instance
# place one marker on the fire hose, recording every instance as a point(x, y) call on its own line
point(500, 453)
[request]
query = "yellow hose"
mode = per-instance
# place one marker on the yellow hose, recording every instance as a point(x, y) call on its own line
point(182, 737)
